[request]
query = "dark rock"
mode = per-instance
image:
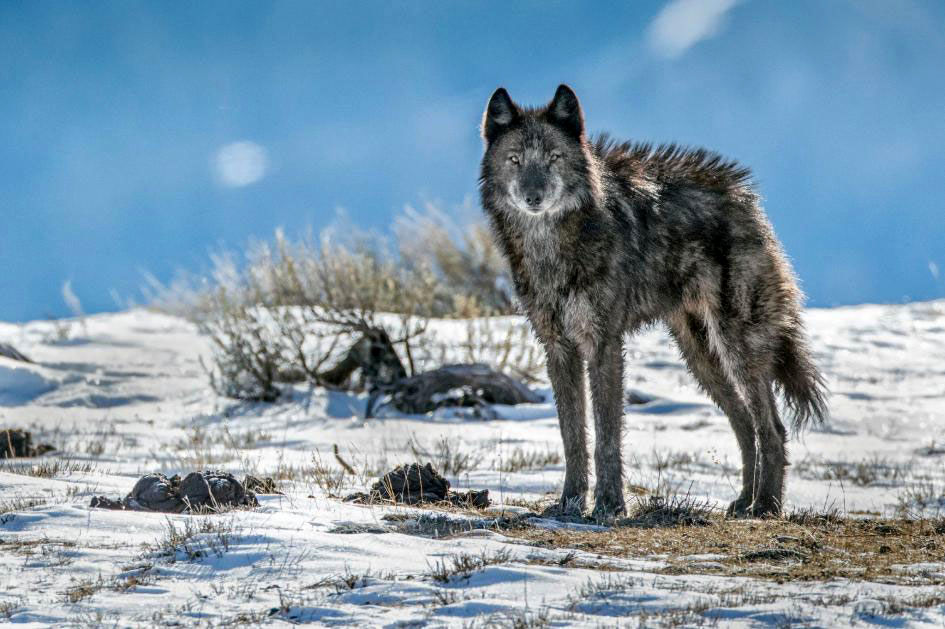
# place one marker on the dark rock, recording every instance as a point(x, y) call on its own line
point(214, 489)
point(476, 499)
point(411, 484)
point(15, 442)
point(417, 484)
point(156, 492)
point(208, 490)
point(260, 485)
point(453, 385)
point(103, 502)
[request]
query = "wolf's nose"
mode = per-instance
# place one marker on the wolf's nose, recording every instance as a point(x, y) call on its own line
point(533, 199)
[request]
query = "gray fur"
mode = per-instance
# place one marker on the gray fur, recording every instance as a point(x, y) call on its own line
point(603, 238)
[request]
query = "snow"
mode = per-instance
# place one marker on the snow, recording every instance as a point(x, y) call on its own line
point(124, 394)
point(22, 382)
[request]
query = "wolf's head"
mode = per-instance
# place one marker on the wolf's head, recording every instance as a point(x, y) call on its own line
point(537, 161)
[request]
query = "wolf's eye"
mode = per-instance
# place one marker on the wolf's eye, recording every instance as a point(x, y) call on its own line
point(513, 159)
point(554, 156)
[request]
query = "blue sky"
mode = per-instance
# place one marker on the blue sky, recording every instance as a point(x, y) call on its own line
point(113, 117)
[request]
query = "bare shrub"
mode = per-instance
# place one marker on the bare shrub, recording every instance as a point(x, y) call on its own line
point(296, 306)
point(287, 310)
point(472, 277)
point(506, 344)
point(247, 355)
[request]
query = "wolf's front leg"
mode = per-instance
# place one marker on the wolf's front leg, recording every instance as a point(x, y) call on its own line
point(566, 371)
point(606, 374)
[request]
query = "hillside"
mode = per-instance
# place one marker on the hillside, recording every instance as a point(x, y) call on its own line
point(123, 394)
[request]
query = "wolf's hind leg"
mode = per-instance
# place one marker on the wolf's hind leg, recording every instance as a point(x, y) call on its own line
point(566, 372)
point(771, 449)
point(692, 338)
point(748, 355)
point(605, 368)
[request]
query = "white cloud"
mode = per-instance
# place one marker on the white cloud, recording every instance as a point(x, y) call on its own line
point(71, 299)
point(240, 163)
point(683, 23)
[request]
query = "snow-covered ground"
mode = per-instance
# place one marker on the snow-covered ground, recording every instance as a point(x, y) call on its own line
point(124, 394)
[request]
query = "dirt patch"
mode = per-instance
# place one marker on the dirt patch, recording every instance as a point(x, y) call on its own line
point(907, 552)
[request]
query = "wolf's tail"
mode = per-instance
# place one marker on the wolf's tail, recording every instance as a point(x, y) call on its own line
point(801, 383)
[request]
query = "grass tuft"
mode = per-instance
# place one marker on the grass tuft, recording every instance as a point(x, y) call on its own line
point(463, 565)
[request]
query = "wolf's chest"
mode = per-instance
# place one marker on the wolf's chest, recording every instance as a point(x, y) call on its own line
point(560, 300)
point(559, 308)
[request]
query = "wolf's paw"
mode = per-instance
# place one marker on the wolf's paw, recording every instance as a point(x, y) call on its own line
point(566, 506)
point(744, 507)
point(608, 508)
point(765, 508)
point(739, 507)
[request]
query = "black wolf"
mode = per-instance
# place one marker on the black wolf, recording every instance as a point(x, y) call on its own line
point(605, 237)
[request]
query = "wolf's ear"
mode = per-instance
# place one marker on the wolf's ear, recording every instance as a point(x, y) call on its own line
point(500, 113)
point(565, 111)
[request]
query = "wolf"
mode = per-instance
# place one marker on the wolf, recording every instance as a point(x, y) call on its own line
point(603, 238)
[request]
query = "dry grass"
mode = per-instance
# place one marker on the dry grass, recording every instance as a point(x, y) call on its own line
point(922, 497)
point(669, 509)
point(41, 552)
point(463, 565)
point(520, 460)
point(195, 539)
point(84, 588)
point(330, 479)
point(447, 455)
point(49, 468)
point(200, 448)
point(9, 506)
point(784, 549)
point(509, 348)
point(871, 471)
point(198, 437)
point(9, 608)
